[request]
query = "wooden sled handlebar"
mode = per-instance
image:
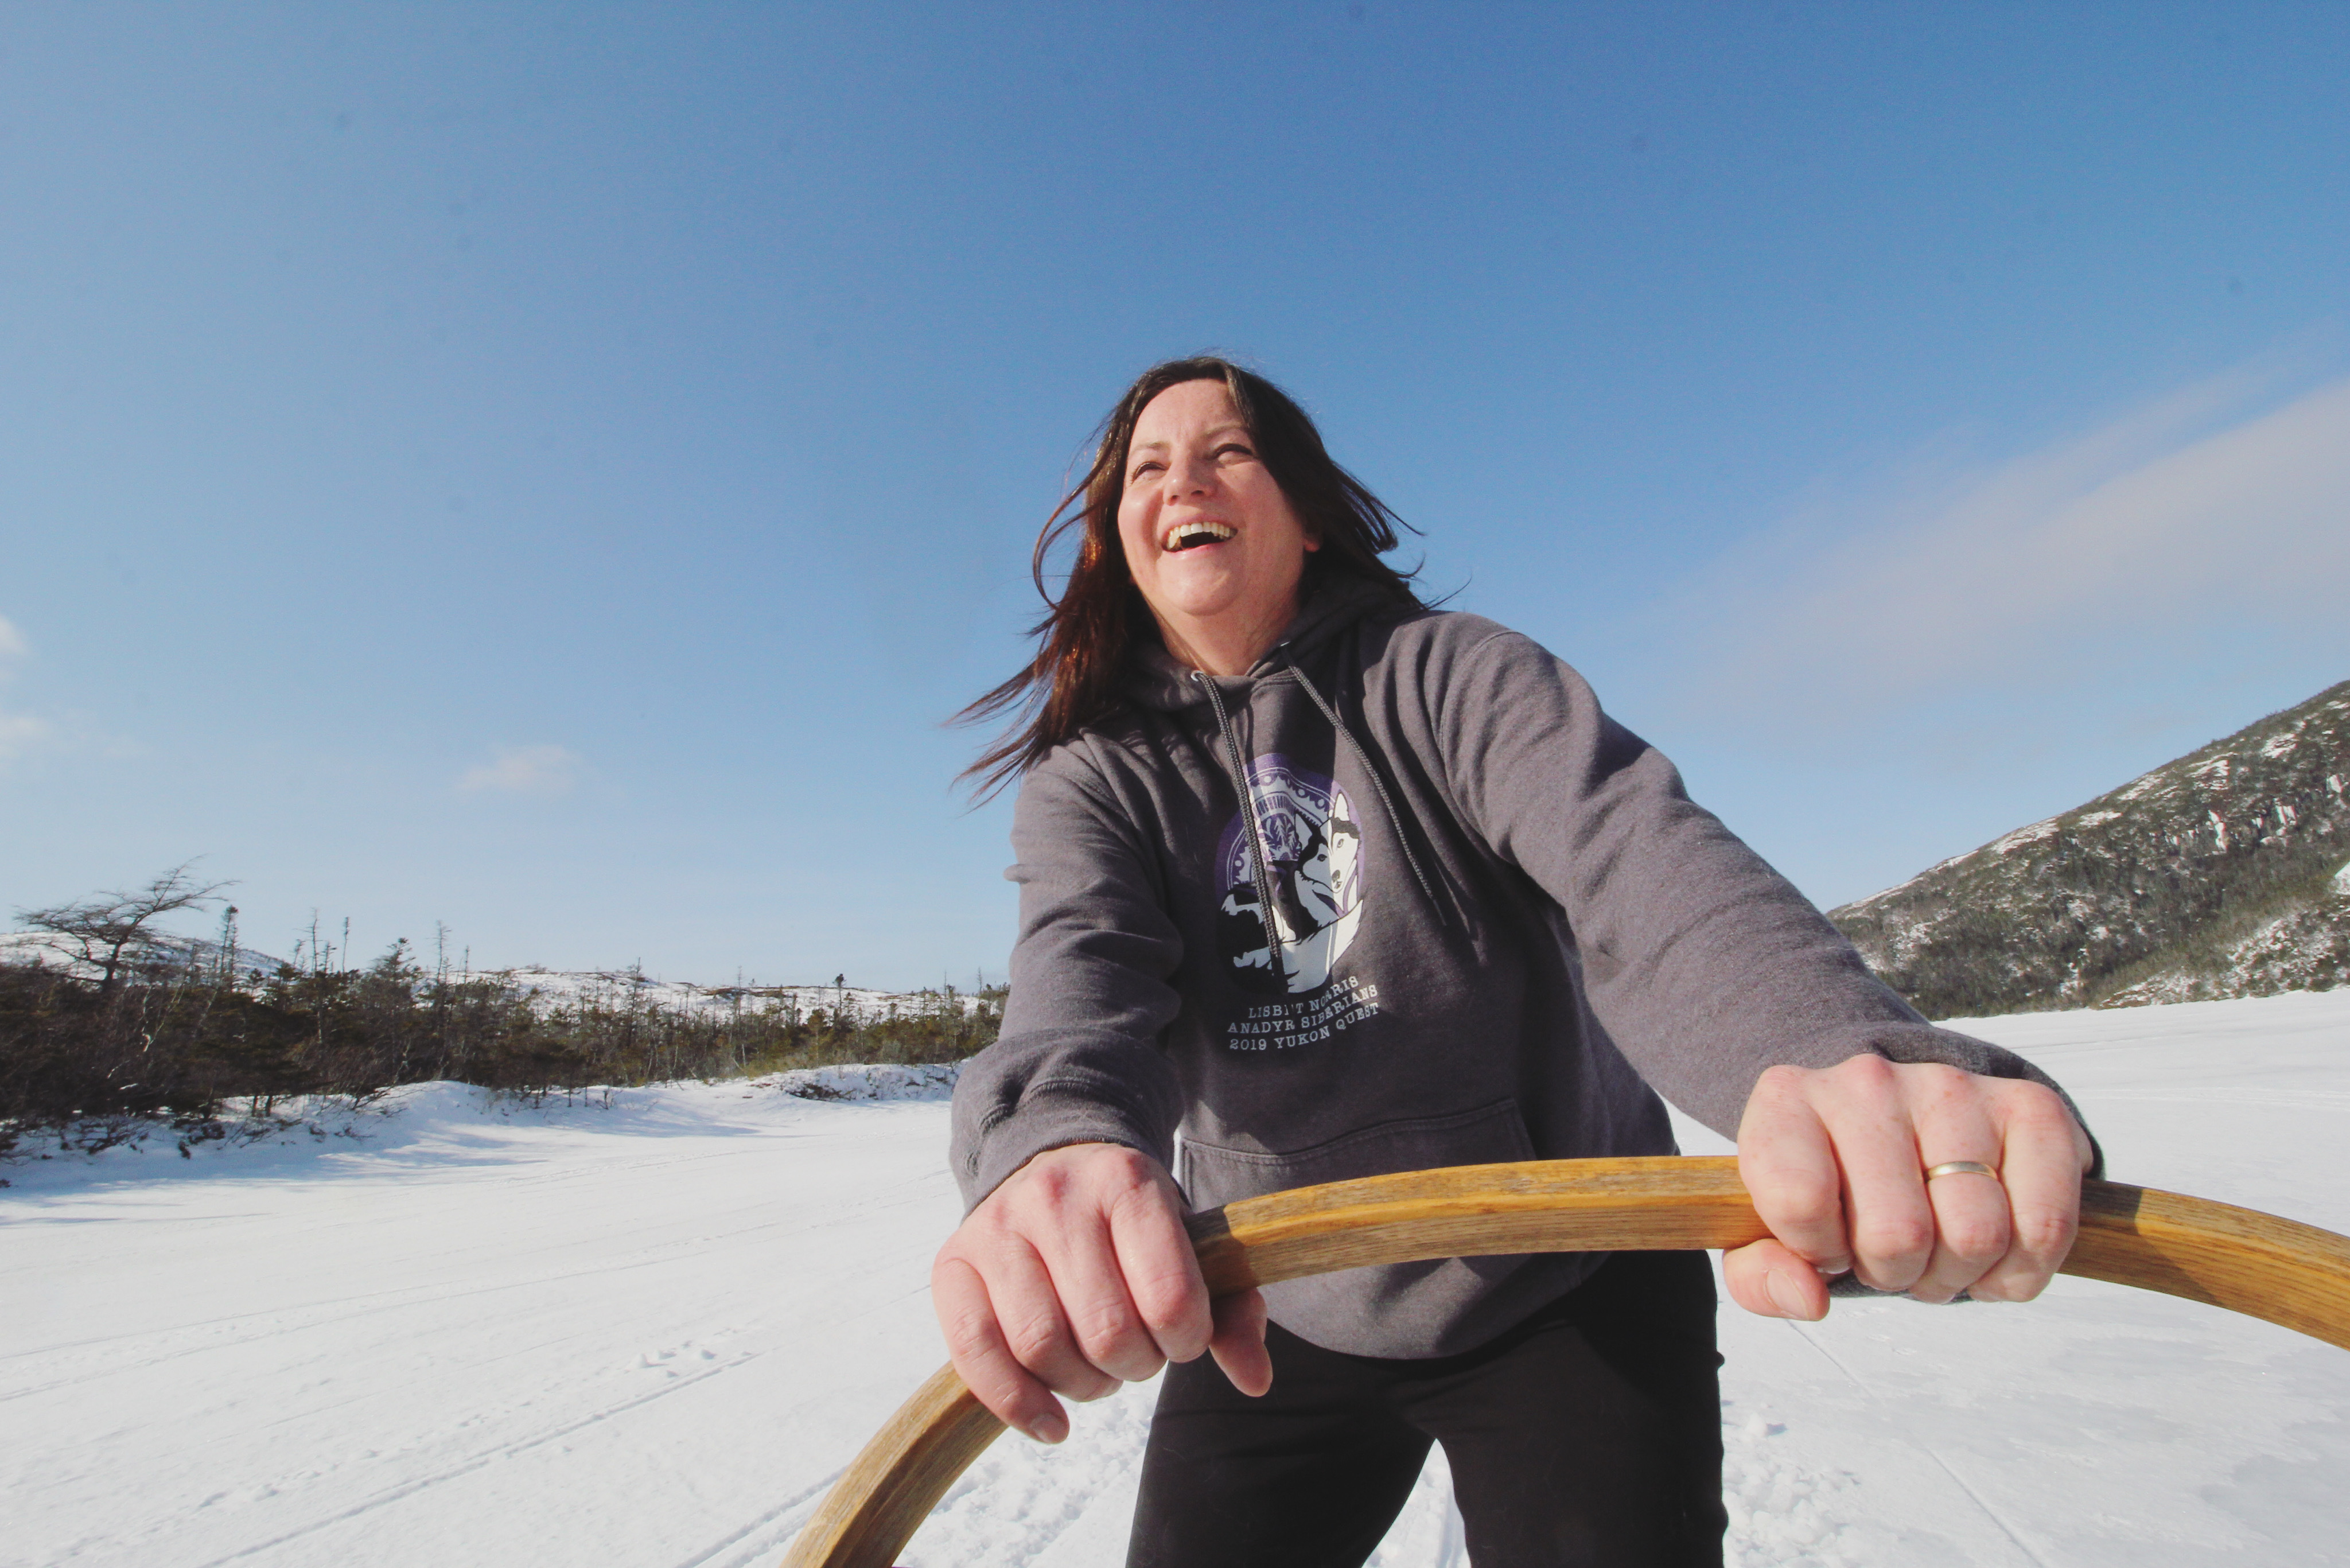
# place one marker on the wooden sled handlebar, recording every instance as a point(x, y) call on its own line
point(2240, 1259)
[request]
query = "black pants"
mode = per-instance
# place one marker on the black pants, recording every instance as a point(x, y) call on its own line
point(1590, 1433)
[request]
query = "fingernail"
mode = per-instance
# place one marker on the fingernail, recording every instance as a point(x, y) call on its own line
point(1784, 1296)
point(1830, 1271)
point(1047, 1428)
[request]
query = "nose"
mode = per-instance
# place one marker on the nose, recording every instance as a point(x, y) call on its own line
point(1192, 474)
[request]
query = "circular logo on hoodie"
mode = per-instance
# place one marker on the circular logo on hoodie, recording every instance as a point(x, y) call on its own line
point(1314, 858)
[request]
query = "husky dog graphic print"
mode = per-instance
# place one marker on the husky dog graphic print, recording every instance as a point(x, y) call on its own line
point(1313, 855)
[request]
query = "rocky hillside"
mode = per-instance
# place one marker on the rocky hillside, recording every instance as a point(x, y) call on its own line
point(2222, 874)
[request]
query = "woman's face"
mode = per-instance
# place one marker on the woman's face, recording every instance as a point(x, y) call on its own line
point(1208, 536)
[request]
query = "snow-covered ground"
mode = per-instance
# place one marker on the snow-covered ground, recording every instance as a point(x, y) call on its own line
point(650, 1334)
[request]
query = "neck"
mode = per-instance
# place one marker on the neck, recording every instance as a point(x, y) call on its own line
point(1222, 646)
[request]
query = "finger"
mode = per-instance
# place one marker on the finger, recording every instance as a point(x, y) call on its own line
point(1161, 1273)
point(1954, 1113)
point(1767, 1279)
point(2044, 1154)
point(1874, 1125)
point(1082, 1256)
point(984, 1359)
point(1238, 1343)
point(1066, 1206)
point(1971, 1230)
point(1789, 1169)
point(1030, 1312)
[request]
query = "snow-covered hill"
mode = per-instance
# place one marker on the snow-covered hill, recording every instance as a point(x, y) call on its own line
point(571, 988)
point(648, 1334)
point(252, 966)
point(546, 988)
point(2224, 874)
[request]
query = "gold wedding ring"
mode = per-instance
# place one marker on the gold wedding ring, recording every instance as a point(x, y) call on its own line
point(1961, 1168)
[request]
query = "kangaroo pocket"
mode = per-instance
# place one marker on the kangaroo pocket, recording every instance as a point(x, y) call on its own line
point(1395, 1310)
point(1212, 1174)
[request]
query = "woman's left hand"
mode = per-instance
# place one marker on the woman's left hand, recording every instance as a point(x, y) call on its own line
point(1835, 1159)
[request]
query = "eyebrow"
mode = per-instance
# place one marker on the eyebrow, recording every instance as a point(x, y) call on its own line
point(1215, 430)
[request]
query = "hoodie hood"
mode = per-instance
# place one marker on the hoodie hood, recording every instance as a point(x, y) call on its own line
point(1158, 679)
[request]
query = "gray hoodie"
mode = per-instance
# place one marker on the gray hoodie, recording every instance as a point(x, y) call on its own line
point(1501, 929)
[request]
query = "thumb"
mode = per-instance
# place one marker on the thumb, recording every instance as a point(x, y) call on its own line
point(1238, 1343)
point(1767, 1277)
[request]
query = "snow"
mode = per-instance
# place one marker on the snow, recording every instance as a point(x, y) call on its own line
point(45, 948)
point(552, 988)
point(650, 1329)
point(888, 1081)
point(2032, 834)
point(547, 989)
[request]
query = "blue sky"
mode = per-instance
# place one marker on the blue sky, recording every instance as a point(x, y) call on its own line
point(549, 469)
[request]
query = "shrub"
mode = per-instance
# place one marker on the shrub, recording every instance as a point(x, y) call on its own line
point(175, 1033)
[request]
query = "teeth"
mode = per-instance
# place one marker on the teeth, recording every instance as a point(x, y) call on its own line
point(1183, 535)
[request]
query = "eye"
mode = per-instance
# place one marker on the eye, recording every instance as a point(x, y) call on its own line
point(1233, 447)
point(1146, 466)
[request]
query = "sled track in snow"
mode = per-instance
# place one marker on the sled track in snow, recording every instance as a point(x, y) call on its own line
point(110, 1356)
point(490, 1455)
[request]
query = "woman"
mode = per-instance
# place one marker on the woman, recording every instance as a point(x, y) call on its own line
point(1334, 884)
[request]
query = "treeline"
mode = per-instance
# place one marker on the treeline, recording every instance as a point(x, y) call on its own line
point(149, 1027)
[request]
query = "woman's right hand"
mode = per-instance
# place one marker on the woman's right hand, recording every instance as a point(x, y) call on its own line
point(1075, 1276)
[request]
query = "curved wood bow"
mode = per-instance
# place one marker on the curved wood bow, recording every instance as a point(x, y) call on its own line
point(2240, 1259)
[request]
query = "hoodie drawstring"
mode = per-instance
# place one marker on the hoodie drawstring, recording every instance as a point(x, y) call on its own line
point(1256, 833)
point(1378, 785)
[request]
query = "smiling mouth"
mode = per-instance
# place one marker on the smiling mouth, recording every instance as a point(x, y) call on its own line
point(1191, 535)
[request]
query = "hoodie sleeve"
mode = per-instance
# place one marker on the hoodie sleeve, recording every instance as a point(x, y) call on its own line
point(1703, 964)
point(1078, 1059)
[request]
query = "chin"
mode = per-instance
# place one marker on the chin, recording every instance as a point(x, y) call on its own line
point(1204, 609)
point(1201, 589)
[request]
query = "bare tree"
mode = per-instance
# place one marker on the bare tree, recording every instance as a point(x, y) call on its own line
point(111, 928)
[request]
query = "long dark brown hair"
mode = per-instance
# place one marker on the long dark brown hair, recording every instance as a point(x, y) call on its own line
point(1089, 631)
